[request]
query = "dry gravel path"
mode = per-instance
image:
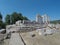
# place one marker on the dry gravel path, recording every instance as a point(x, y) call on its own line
point(15, 39)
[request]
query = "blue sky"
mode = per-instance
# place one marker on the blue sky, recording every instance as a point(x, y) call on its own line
point(30, 8)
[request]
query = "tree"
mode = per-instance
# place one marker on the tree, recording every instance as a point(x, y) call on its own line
point(0, 17)
point(16, 16)
point(7, 19)
point(11, 19)
point(25, 18)
point(1, 23)
point(55, 21)
point(4, 25)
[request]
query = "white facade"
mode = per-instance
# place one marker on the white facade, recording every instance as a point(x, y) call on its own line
point(18, 22)
point(42, 19)
point(39, 19)
point(46, 19)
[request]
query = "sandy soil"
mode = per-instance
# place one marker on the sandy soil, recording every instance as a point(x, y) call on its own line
point(40, 39)
point(5, 42)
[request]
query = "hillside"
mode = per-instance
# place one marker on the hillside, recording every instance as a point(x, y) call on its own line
point(55, 21)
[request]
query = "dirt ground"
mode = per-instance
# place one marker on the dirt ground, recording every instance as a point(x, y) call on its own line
point(37, 39)
point(5, 42)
